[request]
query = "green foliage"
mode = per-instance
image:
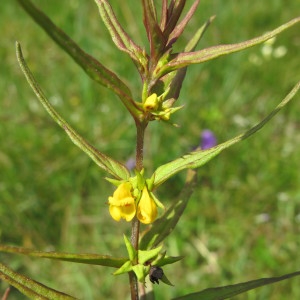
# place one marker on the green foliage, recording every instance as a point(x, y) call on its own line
point(103, 161)
point(229, 291)
point(200, 157)
point(30, 288)
point(222, 203)
point(84, 258)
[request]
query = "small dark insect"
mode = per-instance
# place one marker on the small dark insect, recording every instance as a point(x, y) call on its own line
point(155, 274)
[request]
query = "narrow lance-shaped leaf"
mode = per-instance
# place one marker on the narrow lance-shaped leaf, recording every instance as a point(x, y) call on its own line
point(120, 37)
point(108, 164)
point(175, 79)
point(198, 158)
point(164, 14)
point(187, 58)
point(154, 33)
point(168, 260)
point(193, 42)
point(227, 292)
point(130, 249)
point(29, 287)
point(83, 258)
point(181, 26)
point(174, 11)
point(93, 68)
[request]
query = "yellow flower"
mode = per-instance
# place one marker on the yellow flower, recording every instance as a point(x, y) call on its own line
point(147, 210)
point(122, 204)
point(151, 103)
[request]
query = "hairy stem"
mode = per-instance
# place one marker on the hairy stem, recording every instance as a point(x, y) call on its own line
point(135, 228)
point(140, 133)
point(133, 286)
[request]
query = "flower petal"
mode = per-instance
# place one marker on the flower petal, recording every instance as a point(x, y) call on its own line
point(128, 212)
point(115, 212)
point(147, 210)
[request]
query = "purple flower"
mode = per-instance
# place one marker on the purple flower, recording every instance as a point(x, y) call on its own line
point(130, 163)
point(208, 139)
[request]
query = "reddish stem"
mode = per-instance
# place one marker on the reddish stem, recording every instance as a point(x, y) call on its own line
point(135, 229)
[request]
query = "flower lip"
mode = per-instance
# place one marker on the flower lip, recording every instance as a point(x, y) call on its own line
point(122, 204)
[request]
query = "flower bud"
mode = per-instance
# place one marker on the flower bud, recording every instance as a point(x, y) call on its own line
point(147, 210)
point(151, 103)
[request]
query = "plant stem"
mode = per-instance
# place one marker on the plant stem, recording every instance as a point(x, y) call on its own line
point(140, 133)
point(135, 228)
point(133, 286)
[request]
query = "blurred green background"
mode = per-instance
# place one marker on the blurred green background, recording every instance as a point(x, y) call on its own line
point(243, 221)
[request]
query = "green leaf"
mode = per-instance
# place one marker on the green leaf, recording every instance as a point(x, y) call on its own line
point(172, 16)
point(154, 33)
point(168, 260)
point(165, 280)
point(193, 42)
point(178, 30)
point(147, 255)
point(130, 249)
point(93, 68)
point(125, 268)
point(141, 272)
point(105, 162)
point(198, 158)
point(120, 37)
point(229, 291)
point(163, 226)
point(187, 58)
point(164, 14)
point(83, 258)
point(29, 287)
point(173, 80)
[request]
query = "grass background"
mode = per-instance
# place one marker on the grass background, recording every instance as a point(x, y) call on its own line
point(243, 221)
